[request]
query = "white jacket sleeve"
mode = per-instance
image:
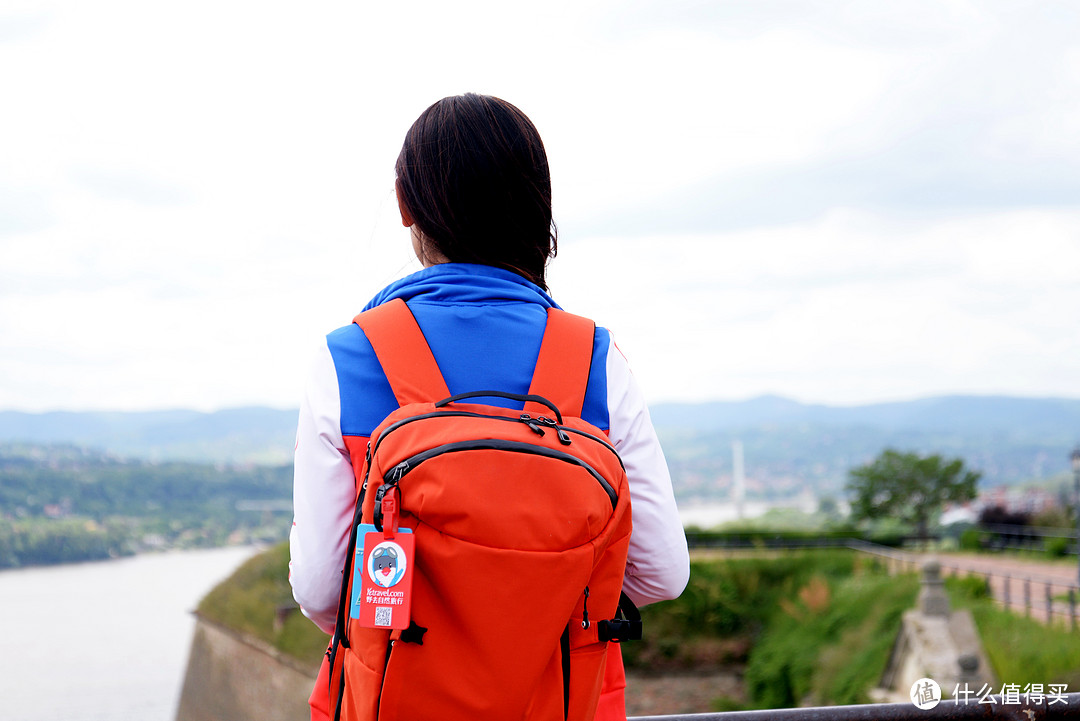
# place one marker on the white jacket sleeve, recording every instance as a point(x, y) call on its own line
point(324, 494)
point(658, 563)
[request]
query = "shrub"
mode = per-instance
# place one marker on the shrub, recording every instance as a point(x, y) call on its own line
point(1056, 546)
point(968, 587)
point(726, 603)
point(972, 539)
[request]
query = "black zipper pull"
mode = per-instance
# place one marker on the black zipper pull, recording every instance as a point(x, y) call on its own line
point(564, 437)
point(585, 610)
point(396, 473)
point(528, 420)
point(367, 470)
point(376, 515)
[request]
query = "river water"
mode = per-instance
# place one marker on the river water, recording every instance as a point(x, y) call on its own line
point(103, 641)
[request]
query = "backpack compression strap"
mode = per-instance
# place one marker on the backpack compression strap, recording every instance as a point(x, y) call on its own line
point(403, 353)
point(562, 369)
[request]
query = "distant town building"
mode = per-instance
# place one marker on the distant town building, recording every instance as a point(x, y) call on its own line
point(1021, 501)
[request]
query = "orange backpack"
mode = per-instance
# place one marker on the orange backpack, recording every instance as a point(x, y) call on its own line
point(521, 522)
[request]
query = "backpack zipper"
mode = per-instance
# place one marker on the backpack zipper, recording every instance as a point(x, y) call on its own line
point(563, 437)
point(394, 475)
point(543, 421)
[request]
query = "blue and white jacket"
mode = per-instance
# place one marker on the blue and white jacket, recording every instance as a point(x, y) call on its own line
point(484, 326)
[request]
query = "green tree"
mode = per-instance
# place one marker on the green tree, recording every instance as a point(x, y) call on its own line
point(908, 486)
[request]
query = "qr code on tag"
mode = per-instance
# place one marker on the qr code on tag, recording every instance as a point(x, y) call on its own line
point(383, 615)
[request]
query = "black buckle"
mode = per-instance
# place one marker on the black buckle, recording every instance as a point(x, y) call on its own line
point(618, 630)
point(626, 626)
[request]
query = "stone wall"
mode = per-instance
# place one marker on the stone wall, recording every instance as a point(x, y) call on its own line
point(232, 677)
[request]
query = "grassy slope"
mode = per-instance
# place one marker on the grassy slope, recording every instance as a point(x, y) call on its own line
point(724, 608)
point(728, 604)
point(814, 626)
point(830, 645)
point(248, 602)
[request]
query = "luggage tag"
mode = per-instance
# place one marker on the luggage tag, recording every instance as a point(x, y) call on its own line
point(383, 571)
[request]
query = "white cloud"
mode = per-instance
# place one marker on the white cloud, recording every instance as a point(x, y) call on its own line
point(193, 194)
point(845, 309)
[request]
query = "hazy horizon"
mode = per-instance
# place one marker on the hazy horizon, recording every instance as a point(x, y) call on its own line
point(826, 402)
point(662, 403)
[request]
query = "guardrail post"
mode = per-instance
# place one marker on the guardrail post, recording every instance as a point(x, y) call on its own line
point(1027, 597)
point(1072, 608)
point(1008, 583)
point(1049, 605)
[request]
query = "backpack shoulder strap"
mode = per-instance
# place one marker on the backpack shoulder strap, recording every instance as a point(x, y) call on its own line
point(562, 369)
point(403, 353)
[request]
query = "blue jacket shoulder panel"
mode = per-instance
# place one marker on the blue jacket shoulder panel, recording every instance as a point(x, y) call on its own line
point(595, 408)
point(366, 396)
point(484, 327)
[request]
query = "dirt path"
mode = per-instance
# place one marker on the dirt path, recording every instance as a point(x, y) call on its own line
point(1065, 573)
point(679, 694)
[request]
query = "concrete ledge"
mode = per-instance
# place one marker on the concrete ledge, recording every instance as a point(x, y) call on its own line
point(231, 676)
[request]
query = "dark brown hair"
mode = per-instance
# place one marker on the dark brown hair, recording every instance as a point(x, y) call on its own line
point(473, 174)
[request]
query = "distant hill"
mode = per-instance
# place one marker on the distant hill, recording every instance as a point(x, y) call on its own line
point(1031, 417)
point(790, 447)
point(257, 435)
point(64, 504)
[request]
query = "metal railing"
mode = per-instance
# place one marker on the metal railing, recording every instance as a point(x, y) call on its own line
point(1012, 591)
point(1064, 706)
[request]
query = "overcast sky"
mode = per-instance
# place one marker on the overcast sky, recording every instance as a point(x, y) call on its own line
point(838, 202)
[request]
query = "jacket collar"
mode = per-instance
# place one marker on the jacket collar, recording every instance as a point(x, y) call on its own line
point(463, 283)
